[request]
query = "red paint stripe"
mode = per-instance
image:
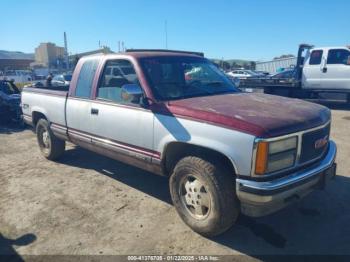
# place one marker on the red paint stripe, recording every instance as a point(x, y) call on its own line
point(133, 148)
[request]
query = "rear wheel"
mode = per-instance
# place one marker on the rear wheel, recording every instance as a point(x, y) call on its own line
point(203, 194)
point(51, 146)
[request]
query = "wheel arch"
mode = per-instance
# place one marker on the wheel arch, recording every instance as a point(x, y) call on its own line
point(176, 150)
point(36, 116)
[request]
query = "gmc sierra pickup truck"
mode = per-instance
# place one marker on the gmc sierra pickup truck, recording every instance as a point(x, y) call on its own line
point(176, 114)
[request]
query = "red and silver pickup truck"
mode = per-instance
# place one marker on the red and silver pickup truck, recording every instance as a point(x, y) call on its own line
point(176, 114)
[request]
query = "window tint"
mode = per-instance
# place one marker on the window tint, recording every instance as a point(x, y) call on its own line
point(338, 56)
point(116, 74)
point(316, 57)
point(86, 76)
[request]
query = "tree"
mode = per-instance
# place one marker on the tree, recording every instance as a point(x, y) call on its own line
point(283, 56)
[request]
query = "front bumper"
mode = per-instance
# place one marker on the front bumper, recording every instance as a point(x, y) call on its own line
point(262, 198)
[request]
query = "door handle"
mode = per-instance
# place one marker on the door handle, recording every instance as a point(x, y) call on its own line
point(324, 70)
point(94, 111)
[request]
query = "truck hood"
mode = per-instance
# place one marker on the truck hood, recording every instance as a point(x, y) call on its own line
point(258, 114)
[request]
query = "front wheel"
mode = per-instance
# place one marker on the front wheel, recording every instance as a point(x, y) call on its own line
point(203, 194)
point(50, 146)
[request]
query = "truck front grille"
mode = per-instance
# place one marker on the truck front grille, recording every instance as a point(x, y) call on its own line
point(313, 145)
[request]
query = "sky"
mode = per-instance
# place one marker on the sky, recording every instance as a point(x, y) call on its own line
point(230, 29)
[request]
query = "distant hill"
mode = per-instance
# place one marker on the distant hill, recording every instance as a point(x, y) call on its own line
point(15, 55)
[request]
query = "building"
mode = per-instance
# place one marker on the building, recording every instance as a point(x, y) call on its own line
point(49, 55)
point(274, 65)
point(14, 60)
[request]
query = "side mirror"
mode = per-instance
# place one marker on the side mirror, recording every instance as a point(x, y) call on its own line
point(131, 93)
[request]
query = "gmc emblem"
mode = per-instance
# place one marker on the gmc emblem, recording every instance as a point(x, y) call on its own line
point(321, 142)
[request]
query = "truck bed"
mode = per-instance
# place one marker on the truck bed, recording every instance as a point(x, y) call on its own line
point(50, 101)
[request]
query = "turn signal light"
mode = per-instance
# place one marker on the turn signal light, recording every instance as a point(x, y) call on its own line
point(261, 158)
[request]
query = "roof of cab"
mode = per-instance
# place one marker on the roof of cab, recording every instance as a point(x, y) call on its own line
point(141, 53)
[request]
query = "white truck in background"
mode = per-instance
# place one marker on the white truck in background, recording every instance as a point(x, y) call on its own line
point(318, 70)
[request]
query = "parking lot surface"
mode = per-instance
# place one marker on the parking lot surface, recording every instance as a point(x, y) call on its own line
point(89, 204)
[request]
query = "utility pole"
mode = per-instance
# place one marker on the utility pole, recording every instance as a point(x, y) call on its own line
point(118, 46)
point(66, 51)
point(166, 34)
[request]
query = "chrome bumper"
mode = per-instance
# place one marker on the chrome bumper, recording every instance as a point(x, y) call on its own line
point(262, 198)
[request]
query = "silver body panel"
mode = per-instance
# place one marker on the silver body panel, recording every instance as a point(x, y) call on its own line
point(133, 126)
point(237, 146)
point(53, 107)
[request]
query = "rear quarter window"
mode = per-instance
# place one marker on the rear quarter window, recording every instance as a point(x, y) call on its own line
point(85, 79)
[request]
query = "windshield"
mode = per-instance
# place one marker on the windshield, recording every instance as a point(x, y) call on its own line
point(183, 77)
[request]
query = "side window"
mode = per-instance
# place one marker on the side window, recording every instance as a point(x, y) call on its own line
point(316, 57)
point(338, 56)
point(85, 79)
point(116, 74)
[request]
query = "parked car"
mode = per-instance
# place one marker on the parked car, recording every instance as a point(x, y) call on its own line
point(262, 73)
point(225, 151)
point(61, 80)
point(284, 74)
point(244, 73)
point(10, 98)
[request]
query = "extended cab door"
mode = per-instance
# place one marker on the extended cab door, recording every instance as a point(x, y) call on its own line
point(336, 72)
point(121, 127)
point(312, 70)
point(78, 107)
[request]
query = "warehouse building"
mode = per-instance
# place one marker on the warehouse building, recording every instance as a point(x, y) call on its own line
point(14, 60)
point(276, 65)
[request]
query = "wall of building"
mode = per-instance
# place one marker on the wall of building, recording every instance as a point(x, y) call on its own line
point(274, 65)
point(10, 64)
point(48, 53)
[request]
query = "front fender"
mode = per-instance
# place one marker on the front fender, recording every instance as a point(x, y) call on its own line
point(235, 145)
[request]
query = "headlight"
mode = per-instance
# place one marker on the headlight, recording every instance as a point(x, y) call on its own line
point(276, 155)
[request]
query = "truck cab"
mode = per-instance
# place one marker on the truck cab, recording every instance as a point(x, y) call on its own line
point(327, 68)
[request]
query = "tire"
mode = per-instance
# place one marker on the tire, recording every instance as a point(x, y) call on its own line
point(203, 194)
point(50, 146)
